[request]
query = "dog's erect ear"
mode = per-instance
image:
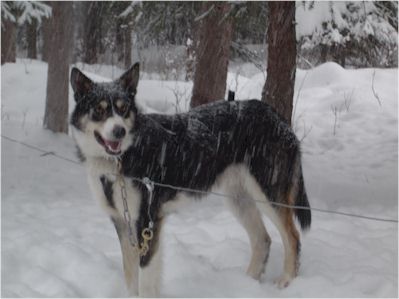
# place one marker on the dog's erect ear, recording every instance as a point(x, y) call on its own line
point(80, 83)
point(130, 79)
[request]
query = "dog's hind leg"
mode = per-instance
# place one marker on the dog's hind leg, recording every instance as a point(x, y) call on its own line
point(130, 258)
point(292, 247)
point(284, 222)
point(250, 218)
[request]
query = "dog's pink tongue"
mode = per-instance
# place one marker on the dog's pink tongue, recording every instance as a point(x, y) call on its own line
point(114, 145)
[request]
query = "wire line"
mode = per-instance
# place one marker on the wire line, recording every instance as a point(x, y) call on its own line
point(141, 180)
point(40, 150)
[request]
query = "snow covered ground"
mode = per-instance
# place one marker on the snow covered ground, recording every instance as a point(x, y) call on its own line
point(56, 242)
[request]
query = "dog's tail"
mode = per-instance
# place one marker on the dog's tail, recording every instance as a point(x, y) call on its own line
point(304, 216)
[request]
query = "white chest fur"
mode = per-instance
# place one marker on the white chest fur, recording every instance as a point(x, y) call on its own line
point(98, 168)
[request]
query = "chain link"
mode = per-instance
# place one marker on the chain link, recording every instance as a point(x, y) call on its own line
point(147, 233)
point(126, 214)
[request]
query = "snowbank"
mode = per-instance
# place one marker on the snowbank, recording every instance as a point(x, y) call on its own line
point(56, 242)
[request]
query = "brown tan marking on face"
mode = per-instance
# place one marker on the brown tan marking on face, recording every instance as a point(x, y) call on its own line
point(103, 104)
point(121, 106)
point(101, 108)
point(119, 103)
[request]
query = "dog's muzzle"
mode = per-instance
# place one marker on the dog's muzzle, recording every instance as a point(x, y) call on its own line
point(112, 147)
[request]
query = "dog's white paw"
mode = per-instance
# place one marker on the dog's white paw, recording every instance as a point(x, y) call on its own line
point(149, 292)
point(132, 293)
point(256, 271)
point(283, 281)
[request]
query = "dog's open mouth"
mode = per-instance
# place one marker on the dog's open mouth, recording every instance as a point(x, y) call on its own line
point(111, 147)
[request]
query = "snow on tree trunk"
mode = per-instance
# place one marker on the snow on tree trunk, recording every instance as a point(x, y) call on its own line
point(56, 111)
point(31, 37)
point(8, 41)
point(278, 90)
point(213, 54)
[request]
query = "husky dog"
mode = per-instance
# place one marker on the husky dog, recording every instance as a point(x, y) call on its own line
point(243, 147)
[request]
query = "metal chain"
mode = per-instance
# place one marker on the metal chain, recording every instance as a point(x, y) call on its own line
point(126, 214)
point(147, 233)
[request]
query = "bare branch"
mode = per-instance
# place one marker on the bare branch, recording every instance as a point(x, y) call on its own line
point(374, 92)
point(348, 100)
point(335, 111)
point(297, 95)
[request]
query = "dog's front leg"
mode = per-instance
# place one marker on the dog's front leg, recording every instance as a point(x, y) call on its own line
point(151, 268)
point(130, 257)
point(150, 276)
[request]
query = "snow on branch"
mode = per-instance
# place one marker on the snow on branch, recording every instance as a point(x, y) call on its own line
point(129, 9)
point(251, 56)
point(24, 11)
point(205, 14)
point(32, 10)
point(6, 13)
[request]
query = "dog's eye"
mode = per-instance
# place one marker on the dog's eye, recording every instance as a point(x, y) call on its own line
point(99, 111)
point(122, 107)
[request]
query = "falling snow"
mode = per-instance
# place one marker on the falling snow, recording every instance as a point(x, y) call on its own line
point(56, 241)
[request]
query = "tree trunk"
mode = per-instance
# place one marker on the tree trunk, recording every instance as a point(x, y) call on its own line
point(127, 47)
point(281, 63)
point(31, 33)
point(323, 53)
point(92, 32)
point(191, 43)
point(56, 113)
point(46, 33)
point(119, 47)
point(8, 41)
point(213, 54)
point(190, 60)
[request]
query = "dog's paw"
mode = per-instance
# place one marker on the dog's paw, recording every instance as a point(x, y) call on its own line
point(256, 271)
point(149, 292)
point(132, 293)
point(283, 281)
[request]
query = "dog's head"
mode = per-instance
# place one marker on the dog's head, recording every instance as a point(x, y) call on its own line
point(104, 113)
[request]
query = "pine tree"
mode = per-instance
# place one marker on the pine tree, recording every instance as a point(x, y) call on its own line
point(92, 30)
point(46, 36)
point(213, 53)
point(122, 14)
point(278, 90)
point(31, 36)
point(362, 33)
point(15, 13)
point(56, 110)
point(8, 41)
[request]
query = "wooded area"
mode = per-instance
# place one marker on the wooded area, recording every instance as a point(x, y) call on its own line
point(197, 39)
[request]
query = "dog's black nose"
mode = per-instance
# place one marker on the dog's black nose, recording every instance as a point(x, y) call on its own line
point(119, 132)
